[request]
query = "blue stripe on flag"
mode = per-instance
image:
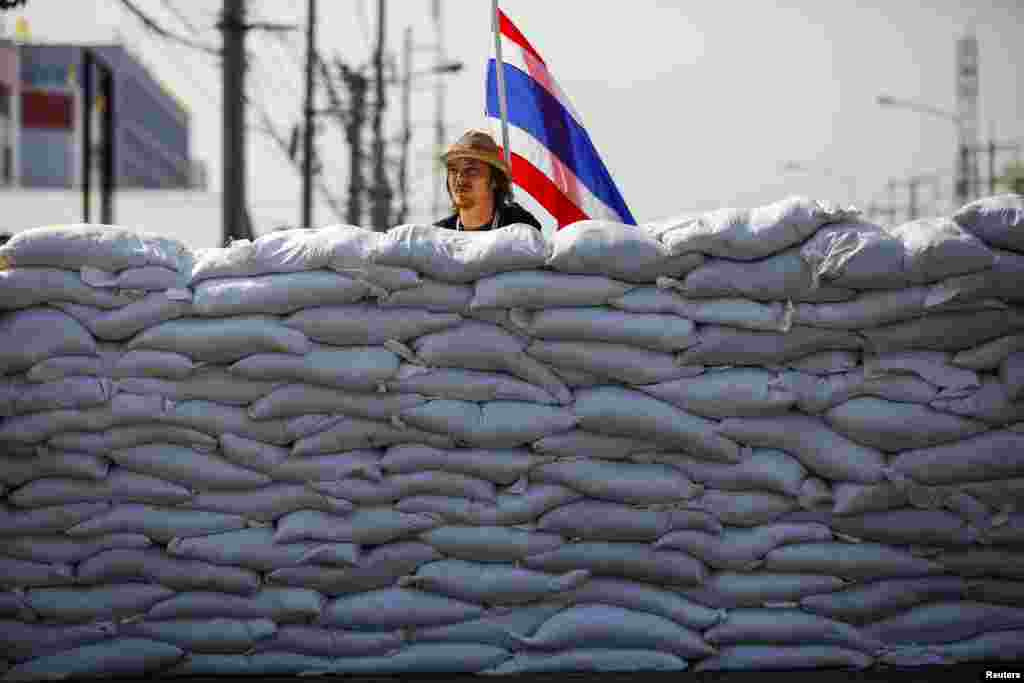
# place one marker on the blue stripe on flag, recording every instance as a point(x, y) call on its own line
point(535, 110)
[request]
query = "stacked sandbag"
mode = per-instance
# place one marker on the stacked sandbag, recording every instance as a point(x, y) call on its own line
point(773, 438)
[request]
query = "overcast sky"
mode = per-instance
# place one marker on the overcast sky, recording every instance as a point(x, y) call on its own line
point(693, 105)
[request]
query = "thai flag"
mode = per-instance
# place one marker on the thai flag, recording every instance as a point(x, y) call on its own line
point(553, 158)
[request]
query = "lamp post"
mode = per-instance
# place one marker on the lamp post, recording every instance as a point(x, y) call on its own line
point(803, 167)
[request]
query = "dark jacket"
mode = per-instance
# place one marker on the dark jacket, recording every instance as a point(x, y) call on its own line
point(507, 215)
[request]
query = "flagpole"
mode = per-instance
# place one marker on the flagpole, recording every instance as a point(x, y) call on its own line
point(502, 95)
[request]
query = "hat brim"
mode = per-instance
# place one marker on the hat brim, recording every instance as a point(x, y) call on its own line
point(494, 159)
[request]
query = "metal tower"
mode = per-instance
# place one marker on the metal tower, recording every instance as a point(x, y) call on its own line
point(968, 180)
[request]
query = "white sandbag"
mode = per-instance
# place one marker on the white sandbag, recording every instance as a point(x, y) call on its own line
point(856, 254)
point(431, 295)
point(116, 657)
point(162, 364)
point(589, 660)
point(784, 658)
point(907, 526)
point(59, 549)
point(207, 384)
point(623, 412)
point(541, 289)
point(890, 426)
point(371, 526)
point(34, 286)
point(46, 520)
point(763, 469)
point(720, 345)
point(292, 400)
point(491, 584)
point(594, 520)
point(328, 642)
point(581, 443)
point(991, 404)
point(125, 321)
point(107, 247)
point(256, 549)
point(849, 560)
point(741, 549)
point(15, 471)
point(744, 508)
point(32, 335)
point(995, 220)
point(465, 385)
point(1007, 564)
point(268, 503)
point(741, 392)
point(493, 628)
point(751, 315)
point(937, 248)
point(365, 324)
point(153, 278)
point(490, 543)
point(868, 309)
point(619, 482)
point(616, 250)
point(115, 438)
point(380, 568)
point(945, 622)
point(305, 469)
point(749, 234)
point(655, 331)
point(120, 486)
point(993, 455)
point(354, 369)
point(608, 626)
point(222, 340)
point(877, 600)
point(275, 294)
point(624, 560)
point(282, 251)
point(942, 331)
point(65, 394)
point(204, 636)
point(726, 589)
point(25, 574)
point(156, 566)
point(502, 466)
point(21, 641)
point(198, 471)
point(394, 608)
point(619, 362)
point(782, 277)
point(495, 424)
point(159, 523)
point(91, 604)
point(787, 627)
point(508, 509)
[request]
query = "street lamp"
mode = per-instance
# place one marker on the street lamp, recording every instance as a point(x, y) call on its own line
point(802, 167)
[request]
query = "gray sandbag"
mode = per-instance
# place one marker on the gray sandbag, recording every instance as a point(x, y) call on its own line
point(868, 309)
point(15, 471)
point(32, 335)
point(579, 442)
point(367, 324)
point(655, 331)
point(741, 549)
point(781, 277)
point(461, 257)
point(850, 560)
point(615, 627)
point(819, 449)
point(998, 591)
point(616, 250)
point(129, 436)
point(623, 412)
point(257, 549)
point(784, 658)
point(359, 368)
point(34, 286)
point(222, 340)
point(490, 543)
point(542, 289)
point(204, 636)
point(269, 502)
point(502, 466)
point(937, 248)
point(428, 658)
point(35, 428)
point(816, 395)
point(890, 426)
point(619, 482)
point(159, 523)
point(71, 393)
point(21, 641)
point(990, 355)
point(509, 508)
point(371, 526)
point(991, 404)
point(120, 486)
point(489, 583)
point(198, 471)
point(624, 560)
point(153, 565)
point(347, 434)
point(744, 508)
point(107, 247)
point(495, 424)
point(735, 312)
point(856, 254)
point(642, 597)
point(207, 384)
point(995, 646)
point(944, 622)
point(763, 469)
point(993, 455)
point(26, 574)
point(1010, 531)
point(59, 549)
point(115, 657)
point(595, 520)
point(293, 400)
point(92, 604)
point(815, 494)
point(465, 385)
point(50, 519)
point(727, 589)
point(263, 663)
point(328, 642)
point(825, 362)
point(876, 600)
point(619, 362)
point(161, 364)
point(931, 366)
point(590, 660)
point(380, 568)
point(382, 610)
point(275, 294)
point(205, 416)
point(304, 469)
point(998, 220)
point(1011, 373)
point(252, 454)
point(719, 345)
point(989, 563)
point(943, 331)
point(397, 486)
point(787, 627)
point(750, 234)
point(125, 321)
point(739, 392)
point(907, 526)
point(494, 628)
point(431, 295)
point(150, 278)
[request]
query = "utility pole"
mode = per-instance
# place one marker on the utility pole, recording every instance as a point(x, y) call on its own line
point(235, 225)
point(913, 185)
point(968, 183)
point(307, 147)
point(439, 95)
point(403, 164)
point(381, 191)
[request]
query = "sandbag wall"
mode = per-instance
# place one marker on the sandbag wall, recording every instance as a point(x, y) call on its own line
point(775, 438)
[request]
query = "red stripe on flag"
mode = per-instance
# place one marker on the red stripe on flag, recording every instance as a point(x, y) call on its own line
point(547, 194)
point(513, 34)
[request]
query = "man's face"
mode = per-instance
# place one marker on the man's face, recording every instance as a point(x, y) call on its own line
point(469, 181)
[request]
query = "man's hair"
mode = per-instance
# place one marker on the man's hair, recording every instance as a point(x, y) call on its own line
point(501, 188)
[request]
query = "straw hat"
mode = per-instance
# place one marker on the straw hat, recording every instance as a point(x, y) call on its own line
point(477, 144)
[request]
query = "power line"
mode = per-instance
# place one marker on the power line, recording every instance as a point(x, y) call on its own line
point(155, 27)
